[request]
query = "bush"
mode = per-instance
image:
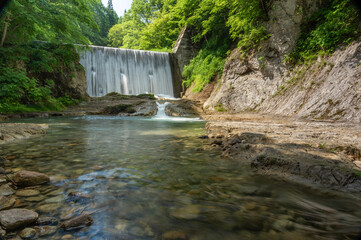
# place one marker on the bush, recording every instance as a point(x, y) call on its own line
point(328, 28)
point(21, 88)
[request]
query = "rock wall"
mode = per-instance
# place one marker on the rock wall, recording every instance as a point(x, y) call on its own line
point(328, 89)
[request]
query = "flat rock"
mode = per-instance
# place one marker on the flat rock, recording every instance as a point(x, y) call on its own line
point(46, 221)
point(27, 233)
point(44, 231)
point(6, 190)
point(17, 218)
point(187, 212)
point(27, 193)
point(29, 178)
point(178, 235)
point(6, 202)
point(77, 222)
point(46, 208)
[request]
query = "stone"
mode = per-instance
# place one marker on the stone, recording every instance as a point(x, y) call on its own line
point(143, 231)
point(188, 212)
point(44, 231)
point(357, 163)
point(2, 233)
point(46, 221)
point(56, 199)
point(178, 235)
point(17, 218)
point(35, 199)
point(27, 233)
point(6, 202)
point(77, 222)
point(6, 190)
point(48, 207)
point(78, 196)
point(29, 178)
point(27, 192)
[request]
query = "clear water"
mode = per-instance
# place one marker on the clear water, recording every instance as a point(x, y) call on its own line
point(156, 179)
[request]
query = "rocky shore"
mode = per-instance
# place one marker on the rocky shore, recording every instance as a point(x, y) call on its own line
point(18, 188)
point(12, 131)
point(310, 152)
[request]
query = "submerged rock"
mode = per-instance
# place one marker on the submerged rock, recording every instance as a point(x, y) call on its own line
point(17, 218)
point(27, 233)
point(177, 235)
point(6, 202)
point(77, 222)
point(27, 193)
point(6, 190)
point(46, 221)
point(44, 231)
point(188, 212)
point(29, 178)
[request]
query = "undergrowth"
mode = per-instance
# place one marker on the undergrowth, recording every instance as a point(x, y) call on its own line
point(332, 26)
point(21, 87)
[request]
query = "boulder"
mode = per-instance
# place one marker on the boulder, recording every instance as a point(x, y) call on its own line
point(77, 222)
point(29, 178)
point(17, 218)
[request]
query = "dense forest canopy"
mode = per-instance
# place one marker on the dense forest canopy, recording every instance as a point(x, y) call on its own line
point(218, 27)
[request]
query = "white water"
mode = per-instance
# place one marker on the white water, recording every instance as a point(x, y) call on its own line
point(126, 71)
point(164, 117)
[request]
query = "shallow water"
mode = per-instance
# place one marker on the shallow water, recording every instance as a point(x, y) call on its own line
point(156, 179)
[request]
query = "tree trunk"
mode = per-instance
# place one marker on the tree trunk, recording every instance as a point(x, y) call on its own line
point(7, 20)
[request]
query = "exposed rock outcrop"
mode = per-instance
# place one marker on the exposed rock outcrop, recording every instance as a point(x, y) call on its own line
point(328, 89)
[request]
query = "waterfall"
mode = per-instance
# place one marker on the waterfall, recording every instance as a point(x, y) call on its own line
point(126, 71)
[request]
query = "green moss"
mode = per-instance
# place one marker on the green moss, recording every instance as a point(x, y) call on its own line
point(219, 108)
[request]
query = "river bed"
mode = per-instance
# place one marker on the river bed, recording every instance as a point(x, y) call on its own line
point(156, 178)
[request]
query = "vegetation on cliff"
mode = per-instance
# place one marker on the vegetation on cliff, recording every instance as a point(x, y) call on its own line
point(224, 24)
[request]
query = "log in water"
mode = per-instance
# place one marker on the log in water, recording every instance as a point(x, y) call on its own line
point(126, 71)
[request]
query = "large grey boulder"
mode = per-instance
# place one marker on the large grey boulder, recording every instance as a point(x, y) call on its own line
point(17, 218)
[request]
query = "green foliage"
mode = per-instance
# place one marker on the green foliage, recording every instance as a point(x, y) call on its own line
point(105, 18)
point(328, 28)
point(45, 20)
point(22, 88)
point(208, 63)
point(219, 108)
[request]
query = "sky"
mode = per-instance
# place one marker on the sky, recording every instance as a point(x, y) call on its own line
point(119, 5)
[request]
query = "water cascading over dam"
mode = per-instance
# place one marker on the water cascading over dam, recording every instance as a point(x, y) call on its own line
point(126, 71)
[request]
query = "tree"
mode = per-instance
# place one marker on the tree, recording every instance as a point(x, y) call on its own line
point(46, 20)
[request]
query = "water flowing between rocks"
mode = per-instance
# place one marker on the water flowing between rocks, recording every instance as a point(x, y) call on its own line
point(149, 178)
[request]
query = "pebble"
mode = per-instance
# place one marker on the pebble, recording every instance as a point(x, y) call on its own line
point(77, 222)
point(6, 202)
point(48, 207)
point(178, 235)
point(188, 212)
point(44, 231)
point(6, 190)
point(27, 233)
point(35, 199)
point(46, 221)
point(27, 193)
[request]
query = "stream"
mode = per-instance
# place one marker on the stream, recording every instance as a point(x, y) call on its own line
point(155, 178)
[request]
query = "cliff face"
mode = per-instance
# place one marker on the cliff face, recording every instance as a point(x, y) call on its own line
point(330, 88)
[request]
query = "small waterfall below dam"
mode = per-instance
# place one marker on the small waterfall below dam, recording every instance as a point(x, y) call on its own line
point(126, 71)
